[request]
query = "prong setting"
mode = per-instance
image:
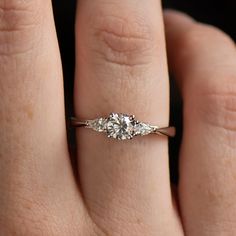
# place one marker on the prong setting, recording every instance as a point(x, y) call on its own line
point(132, 117)
point(121, 126)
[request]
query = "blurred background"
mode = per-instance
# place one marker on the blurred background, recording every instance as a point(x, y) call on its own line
point(221, 13)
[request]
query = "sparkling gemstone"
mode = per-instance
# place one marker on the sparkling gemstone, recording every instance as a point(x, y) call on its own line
point(98, 124)
point(120, 126)
point(142, 129)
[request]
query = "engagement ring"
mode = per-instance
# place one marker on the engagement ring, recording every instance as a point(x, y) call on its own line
point(123, 127)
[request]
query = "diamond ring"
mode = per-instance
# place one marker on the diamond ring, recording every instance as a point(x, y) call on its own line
point(123, 127)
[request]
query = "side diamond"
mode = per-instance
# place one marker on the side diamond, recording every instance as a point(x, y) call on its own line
point(98, 125)
point(143, 129)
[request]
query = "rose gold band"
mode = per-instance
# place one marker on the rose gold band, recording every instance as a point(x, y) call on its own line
point(122, 126)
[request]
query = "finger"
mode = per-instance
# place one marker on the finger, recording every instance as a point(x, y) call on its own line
point(121, 67)
point(204, 61)
point(34, 162)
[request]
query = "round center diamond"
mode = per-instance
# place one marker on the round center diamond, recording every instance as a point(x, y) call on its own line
point(120, 126)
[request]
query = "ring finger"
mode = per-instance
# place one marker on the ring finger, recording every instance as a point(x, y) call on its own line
point(121, 67)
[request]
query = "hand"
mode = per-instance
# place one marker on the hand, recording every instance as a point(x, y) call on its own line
point(123, 188)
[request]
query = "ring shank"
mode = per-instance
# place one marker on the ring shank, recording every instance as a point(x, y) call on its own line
point(167, 131)
point(76, 123)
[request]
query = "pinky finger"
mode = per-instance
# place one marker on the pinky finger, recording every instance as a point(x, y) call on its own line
point(203, 59)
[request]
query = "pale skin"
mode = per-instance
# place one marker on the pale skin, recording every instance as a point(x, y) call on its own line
point(122, 188)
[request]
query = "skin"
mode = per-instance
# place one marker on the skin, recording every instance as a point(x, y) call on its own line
point(122, 188)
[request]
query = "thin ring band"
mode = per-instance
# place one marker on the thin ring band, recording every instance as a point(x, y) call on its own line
point(122, 127)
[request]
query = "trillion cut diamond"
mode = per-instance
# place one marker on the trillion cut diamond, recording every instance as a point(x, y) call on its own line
point(120, 126)
point(143, 129)
point(98, 124)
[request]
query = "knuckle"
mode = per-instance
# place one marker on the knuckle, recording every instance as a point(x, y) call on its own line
point(217, 106)
point(199, 33)
point(121, 39)
point(17, 14)
point(18, 21)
